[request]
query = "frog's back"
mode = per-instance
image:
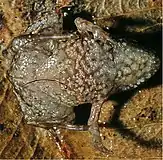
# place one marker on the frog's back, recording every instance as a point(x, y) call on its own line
point(51, 75)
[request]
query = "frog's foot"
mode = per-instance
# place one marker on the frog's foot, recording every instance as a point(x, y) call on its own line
point(97, 141)
point(63, 147)
point(94, 127)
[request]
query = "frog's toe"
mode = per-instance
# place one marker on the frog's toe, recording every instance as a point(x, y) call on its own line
point(97, 141)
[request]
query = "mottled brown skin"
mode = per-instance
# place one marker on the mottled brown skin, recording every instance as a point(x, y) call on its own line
point(51, 74)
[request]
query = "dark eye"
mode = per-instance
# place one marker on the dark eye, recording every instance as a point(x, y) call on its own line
point(4, 53)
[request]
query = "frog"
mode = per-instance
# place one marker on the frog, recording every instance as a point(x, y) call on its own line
point(53, 73)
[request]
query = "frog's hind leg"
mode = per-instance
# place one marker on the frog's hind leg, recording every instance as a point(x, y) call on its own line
point(54, 129)
point(63, 147)
point(51, 124)
point(94, 127)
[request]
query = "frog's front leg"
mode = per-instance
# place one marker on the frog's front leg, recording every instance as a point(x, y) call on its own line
point(94, 127)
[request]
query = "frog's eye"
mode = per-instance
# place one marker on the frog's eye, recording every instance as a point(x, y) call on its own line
point(4, 53)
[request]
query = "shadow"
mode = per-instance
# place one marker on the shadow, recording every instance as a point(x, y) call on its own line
point(68, 20)
point(131, 135)
point(152, 41)
point(122, 129)
point(82, 113)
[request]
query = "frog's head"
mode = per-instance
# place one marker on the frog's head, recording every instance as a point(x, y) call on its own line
point(133, 65)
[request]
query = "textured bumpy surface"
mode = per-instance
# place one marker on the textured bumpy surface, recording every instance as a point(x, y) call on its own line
point(53, 73)
point(134, 129)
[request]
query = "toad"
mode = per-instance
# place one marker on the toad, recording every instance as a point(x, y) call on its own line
point(53, 73)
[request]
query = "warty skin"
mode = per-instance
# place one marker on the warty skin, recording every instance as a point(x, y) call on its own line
point(52, 74)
